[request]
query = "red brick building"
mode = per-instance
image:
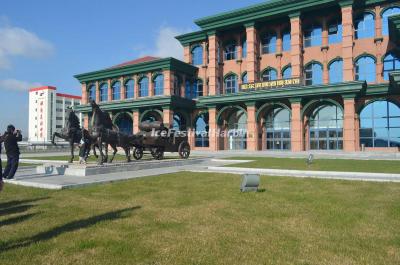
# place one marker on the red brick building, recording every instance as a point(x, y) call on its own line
point(291, 75)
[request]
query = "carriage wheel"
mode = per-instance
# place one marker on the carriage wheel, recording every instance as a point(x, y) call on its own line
point(157, 153)
point(138, 153)
point(184, 150)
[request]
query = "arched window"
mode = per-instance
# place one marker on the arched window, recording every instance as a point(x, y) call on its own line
point(326, 128)
point(198, 88)
point(129, 89)
point(390, 63)
point(231, 84)
point(335, 32)
point(244, 49)
point(278, 129)
point(188, 89)
point(313, 74)
point(116, 91)
point(159, 85)
point(269, 75)
point(92, 93)
point(385, 18)
point(237, 130)
point(244, 78)
point(365, 26)
point(269, 43)
point(197, 55)
point(286, 41)
point(313, 36)
point(336, 72)
point(380, 125)
point(202, 127)
point(230, 52)
point(144, 87)
point(104, 92)
point(365, 69)
point(287, 73)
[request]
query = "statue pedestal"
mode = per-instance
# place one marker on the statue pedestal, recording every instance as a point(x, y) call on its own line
point(77, 170)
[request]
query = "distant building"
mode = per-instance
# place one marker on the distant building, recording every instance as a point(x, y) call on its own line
point(47, 112)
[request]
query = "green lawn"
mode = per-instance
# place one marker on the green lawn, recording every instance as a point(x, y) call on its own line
point(4, 163)
point(377, 166)
point(197, 218)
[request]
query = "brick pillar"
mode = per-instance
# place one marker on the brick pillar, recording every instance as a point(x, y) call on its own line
point(186, 54)
point(151, 84)
point(136, 87)
point(205, 56)
point(297, 45)
point(251, 36)
point(86, 121)
point(168, 83)
point(325, 47)
point(347, 43)
point(380, 50)
point(121, 81)
point(213, 63)
point(136, 121)
point(349, 126)
point(84, 94)
point(109, 92)
point(252, 132)
point(168, 117)
point(97, 92)
point(213, 130)
point(297, 127)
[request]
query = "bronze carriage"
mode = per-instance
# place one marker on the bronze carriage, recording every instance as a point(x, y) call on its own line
point(156, 139)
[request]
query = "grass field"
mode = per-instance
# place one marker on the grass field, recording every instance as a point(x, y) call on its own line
point(197, 218)
point(376, 166)
point(4, 163)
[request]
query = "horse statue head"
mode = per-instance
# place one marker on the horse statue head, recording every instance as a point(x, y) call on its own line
point(100, 119)
point(72, 120)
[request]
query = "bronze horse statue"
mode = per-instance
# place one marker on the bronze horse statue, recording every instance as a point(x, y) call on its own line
point(104, 131)
point(72, 133)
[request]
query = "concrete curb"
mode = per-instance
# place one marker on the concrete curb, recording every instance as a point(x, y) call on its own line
point(377, 177)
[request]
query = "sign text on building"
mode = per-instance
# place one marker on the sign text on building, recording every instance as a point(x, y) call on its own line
point(271, 84)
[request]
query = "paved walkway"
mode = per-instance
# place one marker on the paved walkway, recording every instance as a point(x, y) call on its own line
point(27, 176)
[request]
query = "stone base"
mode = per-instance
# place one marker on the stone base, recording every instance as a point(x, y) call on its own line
point(65, 169)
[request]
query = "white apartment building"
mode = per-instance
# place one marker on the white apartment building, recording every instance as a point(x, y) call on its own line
point(47, 110)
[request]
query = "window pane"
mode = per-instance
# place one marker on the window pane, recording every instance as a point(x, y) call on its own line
point(286, 41)
point(336, 72)
point(287, 73)
point(385, 21)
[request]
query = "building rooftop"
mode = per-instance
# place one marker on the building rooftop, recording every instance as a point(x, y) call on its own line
point(136, 61)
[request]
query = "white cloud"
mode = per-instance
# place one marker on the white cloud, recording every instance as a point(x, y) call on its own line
point(17, 85)
point(166, 44)
point(16, 41)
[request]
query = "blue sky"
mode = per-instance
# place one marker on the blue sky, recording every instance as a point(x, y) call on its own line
point(46, 42)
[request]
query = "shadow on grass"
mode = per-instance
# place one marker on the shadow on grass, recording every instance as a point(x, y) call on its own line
point(68, 227)
point(19, 202)
point(16, 209)
point(17, 219)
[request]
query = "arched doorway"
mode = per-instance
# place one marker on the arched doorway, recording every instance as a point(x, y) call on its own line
point(179, 122)
point(150, 116)
point(124, 123)
point(325, 127)
point(233, 126)
point(202, 130)
point(277, 129)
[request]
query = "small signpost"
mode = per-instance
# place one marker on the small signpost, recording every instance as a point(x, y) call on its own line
point(310, 160)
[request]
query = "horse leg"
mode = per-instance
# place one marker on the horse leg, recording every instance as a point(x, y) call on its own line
point(71, 144)
point(101, 160)
point(114, 147)
point(127, 154)
point(106, 146)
